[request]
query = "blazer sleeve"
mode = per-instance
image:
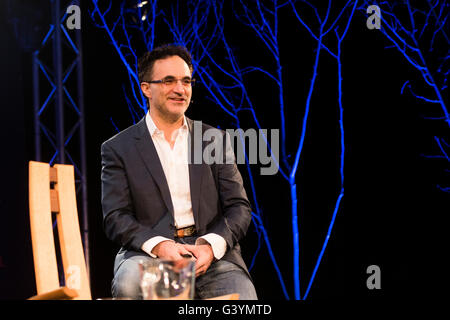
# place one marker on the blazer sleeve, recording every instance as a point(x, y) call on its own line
point(119, 218)
point(235, 219)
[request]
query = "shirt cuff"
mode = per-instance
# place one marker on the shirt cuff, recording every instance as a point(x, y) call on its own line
point(218, 244)
point(148, 245)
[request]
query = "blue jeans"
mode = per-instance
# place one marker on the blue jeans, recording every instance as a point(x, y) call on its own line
point(221, 278)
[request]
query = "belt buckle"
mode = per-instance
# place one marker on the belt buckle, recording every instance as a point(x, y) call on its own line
point(185, 232)
point(180, 233)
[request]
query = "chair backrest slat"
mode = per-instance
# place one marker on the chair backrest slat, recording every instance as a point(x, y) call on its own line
point(44, 254)
point(69, 233)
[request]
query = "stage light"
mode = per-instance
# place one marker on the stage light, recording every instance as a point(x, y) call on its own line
point(141, 4)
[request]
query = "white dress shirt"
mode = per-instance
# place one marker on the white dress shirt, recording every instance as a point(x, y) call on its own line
point(175, 165)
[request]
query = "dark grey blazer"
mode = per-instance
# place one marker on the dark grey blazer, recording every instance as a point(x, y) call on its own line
point(136, 200)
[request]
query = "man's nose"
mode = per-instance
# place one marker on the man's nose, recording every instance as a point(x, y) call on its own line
point(179, 87)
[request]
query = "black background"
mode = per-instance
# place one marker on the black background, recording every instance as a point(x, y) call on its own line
point(391, 215)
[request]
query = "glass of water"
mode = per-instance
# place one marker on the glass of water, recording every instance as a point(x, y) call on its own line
point(168, 280)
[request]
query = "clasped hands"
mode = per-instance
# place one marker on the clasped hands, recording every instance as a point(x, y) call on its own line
point(171, 250)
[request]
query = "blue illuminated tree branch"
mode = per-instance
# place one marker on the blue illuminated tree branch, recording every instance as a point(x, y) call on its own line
point(419, 35)
point(319, 37)
point(200, 26)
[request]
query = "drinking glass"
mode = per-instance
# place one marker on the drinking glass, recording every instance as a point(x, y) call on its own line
point(168, 280)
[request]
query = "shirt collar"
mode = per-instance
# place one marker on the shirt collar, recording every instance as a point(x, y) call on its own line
point(153, 129)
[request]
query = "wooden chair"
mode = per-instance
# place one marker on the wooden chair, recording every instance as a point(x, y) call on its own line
point(52, 190)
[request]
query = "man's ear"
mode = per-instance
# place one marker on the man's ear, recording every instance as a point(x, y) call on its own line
point(145, 87)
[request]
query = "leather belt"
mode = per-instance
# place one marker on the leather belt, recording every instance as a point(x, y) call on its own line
point(185, 232)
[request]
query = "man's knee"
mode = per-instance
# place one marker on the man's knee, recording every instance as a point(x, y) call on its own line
point(127, 280)
point(225, 277)
point(247, 290)
point(244, 286)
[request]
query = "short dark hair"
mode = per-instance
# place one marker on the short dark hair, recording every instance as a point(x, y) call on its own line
point(146, 62)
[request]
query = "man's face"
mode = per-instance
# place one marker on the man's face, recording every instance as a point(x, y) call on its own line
point(169, 102)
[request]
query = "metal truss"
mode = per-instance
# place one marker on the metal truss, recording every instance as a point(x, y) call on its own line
point(59, 115)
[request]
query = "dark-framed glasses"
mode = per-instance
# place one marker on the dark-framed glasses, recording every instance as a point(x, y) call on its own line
point(172, 81)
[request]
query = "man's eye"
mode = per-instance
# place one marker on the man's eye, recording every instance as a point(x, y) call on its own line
point(169, 81)
point(186, 81)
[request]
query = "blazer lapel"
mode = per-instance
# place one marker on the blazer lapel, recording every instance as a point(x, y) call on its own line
point(195, 169)
point(149, 155)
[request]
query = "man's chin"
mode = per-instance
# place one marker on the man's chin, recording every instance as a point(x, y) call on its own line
point(178, 110)
point(177, 105)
